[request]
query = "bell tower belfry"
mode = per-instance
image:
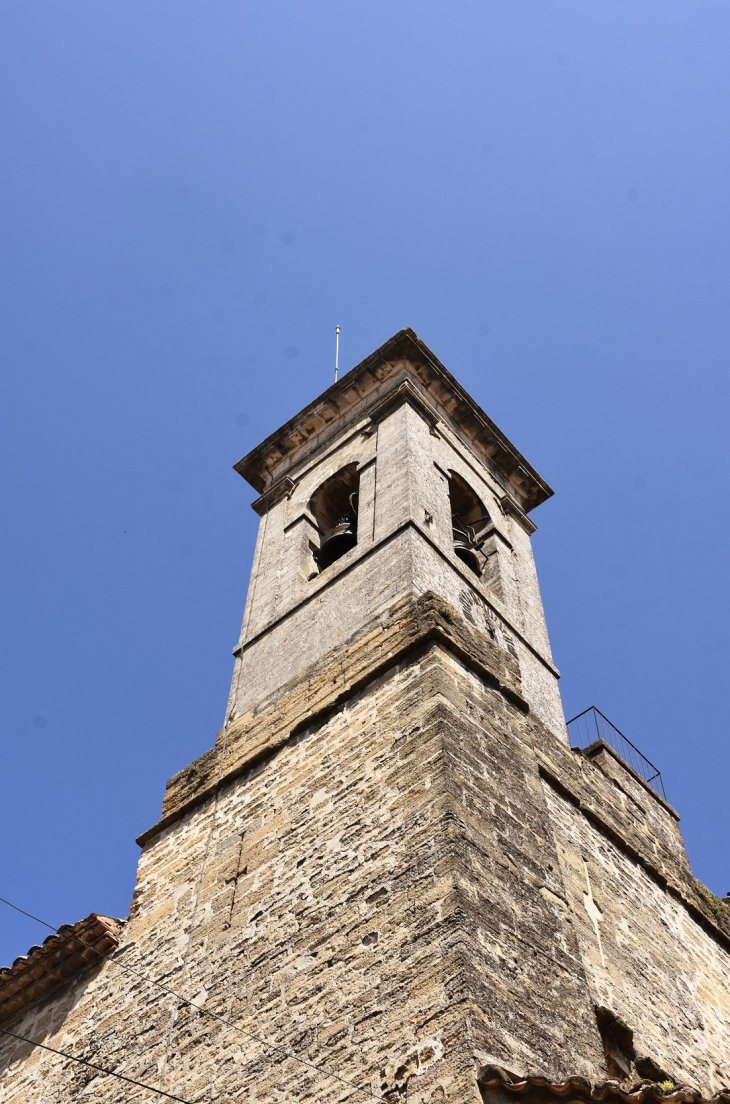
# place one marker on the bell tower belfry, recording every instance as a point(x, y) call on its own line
point(392, 483)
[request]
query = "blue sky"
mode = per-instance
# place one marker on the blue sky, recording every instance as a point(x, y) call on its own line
point(193, 196)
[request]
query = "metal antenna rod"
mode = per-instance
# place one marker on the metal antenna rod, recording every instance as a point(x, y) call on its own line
point(337, 352)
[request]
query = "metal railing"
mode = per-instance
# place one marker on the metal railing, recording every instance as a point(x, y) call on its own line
point(591, 725)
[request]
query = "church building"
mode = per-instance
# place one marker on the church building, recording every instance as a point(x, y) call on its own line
point(392, 878)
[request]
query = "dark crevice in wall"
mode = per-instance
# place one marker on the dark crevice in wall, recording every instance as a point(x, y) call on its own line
point(618, 1043)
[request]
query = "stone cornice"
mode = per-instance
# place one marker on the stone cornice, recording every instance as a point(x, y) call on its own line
point(404, 392)
point(441, 396)
point(281, 489)
point(509, 506)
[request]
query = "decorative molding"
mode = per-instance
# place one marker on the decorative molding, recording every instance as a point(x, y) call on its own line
point(348, 401)
point(493, 531)
point(304, 516)
point(404, 392)
point(511, 507)
point(283, 488)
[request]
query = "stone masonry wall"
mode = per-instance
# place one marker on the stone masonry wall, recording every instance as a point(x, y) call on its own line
point(391, 871)
point(665, 977)
point(369, 903)
point(392, 894)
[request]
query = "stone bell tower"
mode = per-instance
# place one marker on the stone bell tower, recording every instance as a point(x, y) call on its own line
point(392, 878)
point(417, 456)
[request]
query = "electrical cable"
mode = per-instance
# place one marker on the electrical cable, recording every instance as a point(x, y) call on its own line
point(198, 1008)
point(92, 1065)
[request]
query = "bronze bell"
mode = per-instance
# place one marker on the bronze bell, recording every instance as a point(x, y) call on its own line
point(340, 538)
point(466, 545)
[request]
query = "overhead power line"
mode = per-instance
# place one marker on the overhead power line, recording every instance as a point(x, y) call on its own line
point(198, 1008)
point(92, 1065)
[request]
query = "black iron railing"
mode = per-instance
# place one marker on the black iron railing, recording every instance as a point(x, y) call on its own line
point(591, 725)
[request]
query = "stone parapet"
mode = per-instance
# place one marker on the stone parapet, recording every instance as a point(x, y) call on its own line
point(636, 818)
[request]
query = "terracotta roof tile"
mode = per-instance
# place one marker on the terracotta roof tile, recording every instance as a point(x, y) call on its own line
point(76, 948)
point(602, 1092)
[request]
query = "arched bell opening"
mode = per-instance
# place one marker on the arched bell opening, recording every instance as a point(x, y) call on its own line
point(334, 505)
point(469, 522)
